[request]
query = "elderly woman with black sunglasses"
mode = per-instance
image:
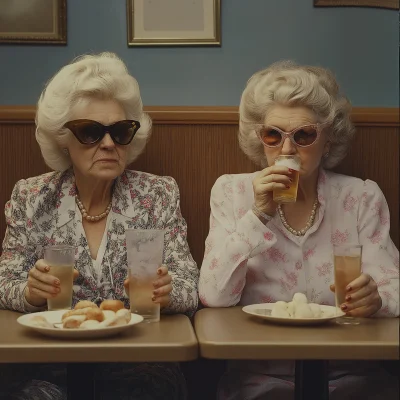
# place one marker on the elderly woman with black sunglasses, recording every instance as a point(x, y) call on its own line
point(90, 126)
point(258, 251)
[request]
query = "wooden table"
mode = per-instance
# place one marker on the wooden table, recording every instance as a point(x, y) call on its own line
point(170, 340)
point(229, 333)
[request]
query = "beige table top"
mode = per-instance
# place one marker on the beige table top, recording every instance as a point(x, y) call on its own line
point(229, 333)
point(171, 339)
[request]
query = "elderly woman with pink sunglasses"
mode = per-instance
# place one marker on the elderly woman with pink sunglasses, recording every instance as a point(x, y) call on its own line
point(258, 251)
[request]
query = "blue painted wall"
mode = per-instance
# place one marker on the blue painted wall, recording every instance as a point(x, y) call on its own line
point(359, 44)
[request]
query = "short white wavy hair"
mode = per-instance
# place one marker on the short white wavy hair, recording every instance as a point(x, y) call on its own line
point(102, 76)
point(286, 83)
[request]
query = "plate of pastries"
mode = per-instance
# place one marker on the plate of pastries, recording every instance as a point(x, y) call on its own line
point(85, 320)
point(296, 312)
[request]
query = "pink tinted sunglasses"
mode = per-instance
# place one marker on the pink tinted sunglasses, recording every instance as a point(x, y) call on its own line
point(302, 136)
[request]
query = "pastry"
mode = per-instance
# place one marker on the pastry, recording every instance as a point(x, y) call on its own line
point(299, 308)
point(108, 314)
point(89, 324)
point(300, 298)
point(303, 310)
point(126, 314)
point(88, 312)
point(291, 308)
point(73, 322)
point(113, 305)
point(316, 310)
point(281, 304)
point(116, 321)
point(279, 312)
point(84, 304)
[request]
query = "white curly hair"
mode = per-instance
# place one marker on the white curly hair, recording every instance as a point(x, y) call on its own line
point(286, 83)
point(100, 76)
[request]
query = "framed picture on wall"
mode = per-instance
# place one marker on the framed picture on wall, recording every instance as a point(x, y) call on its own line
point(33, 21)
point(174, 22)
point(393, 4)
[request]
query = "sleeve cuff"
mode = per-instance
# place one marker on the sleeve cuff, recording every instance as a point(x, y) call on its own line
point(29, 308)
point(257, 235)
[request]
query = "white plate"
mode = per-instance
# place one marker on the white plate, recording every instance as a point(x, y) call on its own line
point(55, 317)
point(264, 311)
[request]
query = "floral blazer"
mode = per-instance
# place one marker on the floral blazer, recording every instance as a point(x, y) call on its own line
point(42, 211)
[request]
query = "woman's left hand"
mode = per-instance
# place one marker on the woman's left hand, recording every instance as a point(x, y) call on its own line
point(362, 297)
point(162, 287)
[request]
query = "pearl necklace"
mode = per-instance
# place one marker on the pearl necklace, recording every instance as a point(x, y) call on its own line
point(89, 217)
point(309, 224)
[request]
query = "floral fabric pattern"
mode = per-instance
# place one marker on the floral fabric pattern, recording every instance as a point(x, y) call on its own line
point(42, 211)
point(246, 262)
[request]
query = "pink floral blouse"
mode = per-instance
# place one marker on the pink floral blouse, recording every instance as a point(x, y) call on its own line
point(42, 211)
point(246, 262)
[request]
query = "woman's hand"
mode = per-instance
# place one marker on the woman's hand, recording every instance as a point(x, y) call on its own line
point(162, 287)
point(41, 285)
point(269, 179)
point(362, 297)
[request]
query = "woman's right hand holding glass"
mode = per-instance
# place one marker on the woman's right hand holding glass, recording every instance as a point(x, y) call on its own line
point(269, 179)
point(41, 285)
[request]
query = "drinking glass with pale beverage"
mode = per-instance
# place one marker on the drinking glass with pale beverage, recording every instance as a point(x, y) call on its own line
point(347, 268)
point(61, 261)
point(288, 195)
point(145, 254)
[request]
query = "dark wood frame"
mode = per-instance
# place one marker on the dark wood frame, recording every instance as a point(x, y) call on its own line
point(61, 38)
point(391, 4)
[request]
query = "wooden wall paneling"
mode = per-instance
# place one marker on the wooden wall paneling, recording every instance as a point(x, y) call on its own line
point(20, 157)
point(196, 153)
point(228, 115)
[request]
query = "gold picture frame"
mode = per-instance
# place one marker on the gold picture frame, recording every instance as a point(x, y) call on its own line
point(174, 22)
point(391, 4)
point(33, 22)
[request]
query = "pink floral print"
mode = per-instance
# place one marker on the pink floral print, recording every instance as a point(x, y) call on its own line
point(325, 269)
point(274, 254)
point(42, 211)
point(308, 253)
point(340, 237)
point(383, 219)
point(349, 202)
point(376, 237)
point(266, 262)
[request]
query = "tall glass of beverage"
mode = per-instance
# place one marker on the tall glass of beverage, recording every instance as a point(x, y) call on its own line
point(61, 260)
point(347, 267)
point(288, 195)
point(145, 254)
